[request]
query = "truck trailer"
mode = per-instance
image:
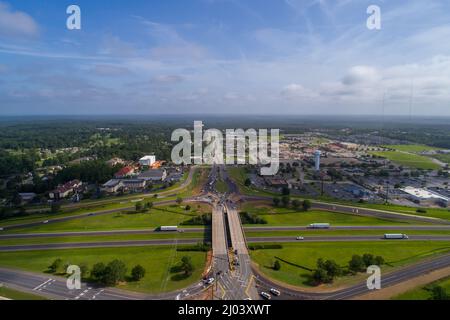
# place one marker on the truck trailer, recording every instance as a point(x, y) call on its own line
point(168, 228)
point(397, 236)
point(319, 226)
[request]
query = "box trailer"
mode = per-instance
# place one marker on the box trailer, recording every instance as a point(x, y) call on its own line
point(168, 228)
point(319, 226)
point(397, 236)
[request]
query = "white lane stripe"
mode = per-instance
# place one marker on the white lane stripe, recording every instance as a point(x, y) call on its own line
point(42, 284)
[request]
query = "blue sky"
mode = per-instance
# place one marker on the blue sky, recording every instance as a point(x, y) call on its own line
point(225, 56)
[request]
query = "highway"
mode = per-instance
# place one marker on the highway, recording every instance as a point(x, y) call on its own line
point(197, 230)
point(237, 282)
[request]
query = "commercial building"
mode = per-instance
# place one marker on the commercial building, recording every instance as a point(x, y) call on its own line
point(425, 197)
point(153, 175)
point(124, 172)
point(112, 186)
point(63, 191)
point(147, 161)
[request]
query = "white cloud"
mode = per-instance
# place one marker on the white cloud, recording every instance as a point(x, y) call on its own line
point(16, 23)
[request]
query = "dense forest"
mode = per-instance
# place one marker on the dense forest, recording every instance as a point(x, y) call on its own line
point(22, 140)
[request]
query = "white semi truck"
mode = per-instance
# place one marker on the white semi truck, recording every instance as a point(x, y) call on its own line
point(396, 236)
point(319, 226)
point(168, 228)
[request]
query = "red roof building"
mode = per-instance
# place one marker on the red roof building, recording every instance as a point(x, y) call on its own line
point(124, 172)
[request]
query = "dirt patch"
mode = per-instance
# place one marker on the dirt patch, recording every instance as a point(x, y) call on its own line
point(395, 290)
point(209, 258)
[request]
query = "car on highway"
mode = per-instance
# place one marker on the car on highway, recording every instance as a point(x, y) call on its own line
point(265, 295)
point(45, 222)
point(90, 214)
point(275, 292)
point(300, 238)
point(1, 229)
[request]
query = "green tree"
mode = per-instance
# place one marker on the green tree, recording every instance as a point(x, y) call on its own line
point(188, 208)
point(139, 206)
point(186, 265)
point(320, 276)
point(114, 272)
point(248, 182)
point(276, 201)
point(285, 191)
point(276, 265)
point(296, 204)
point(149, 206)
point(98, 271)
point(56, 266)
point(179, 201)
point(137, 273)
point(439, 293)
point(306, 205)
point(84, 269)
point(356, 264)
point(55, 207)
point(369, 259)
point(286, 200)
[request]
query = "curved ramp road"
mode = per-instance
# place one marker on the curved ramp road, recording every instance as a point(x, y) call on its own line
point(93, 214)
point(382, 214)
point(54, 287)
point(387, 280)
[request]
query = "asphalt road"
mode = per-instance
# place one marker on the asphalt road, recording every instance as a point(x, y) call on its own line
point(346, 238)
point(387, 280)
point(360, 211)
point(197, 230)
point(54, 287)
point(88, 215)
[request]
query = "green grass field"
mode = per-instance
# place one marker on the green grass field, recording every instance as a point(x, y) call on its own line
point(423, 293)
point(157, 261)
point(12, 294)
point(239, 175)
point(80, 239)
point(408, 159)
point(443, 157)
point(290, 217)
point(413, 148)
point(305, 255)
point(158, 216)
point(221, 186)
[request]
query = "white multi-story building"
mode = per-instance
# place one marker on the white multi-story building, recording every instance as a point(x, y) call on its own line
point(147, 161)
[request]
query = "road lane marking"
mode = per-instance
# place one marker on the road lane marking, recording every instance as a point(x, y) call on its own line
point(42, 284)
